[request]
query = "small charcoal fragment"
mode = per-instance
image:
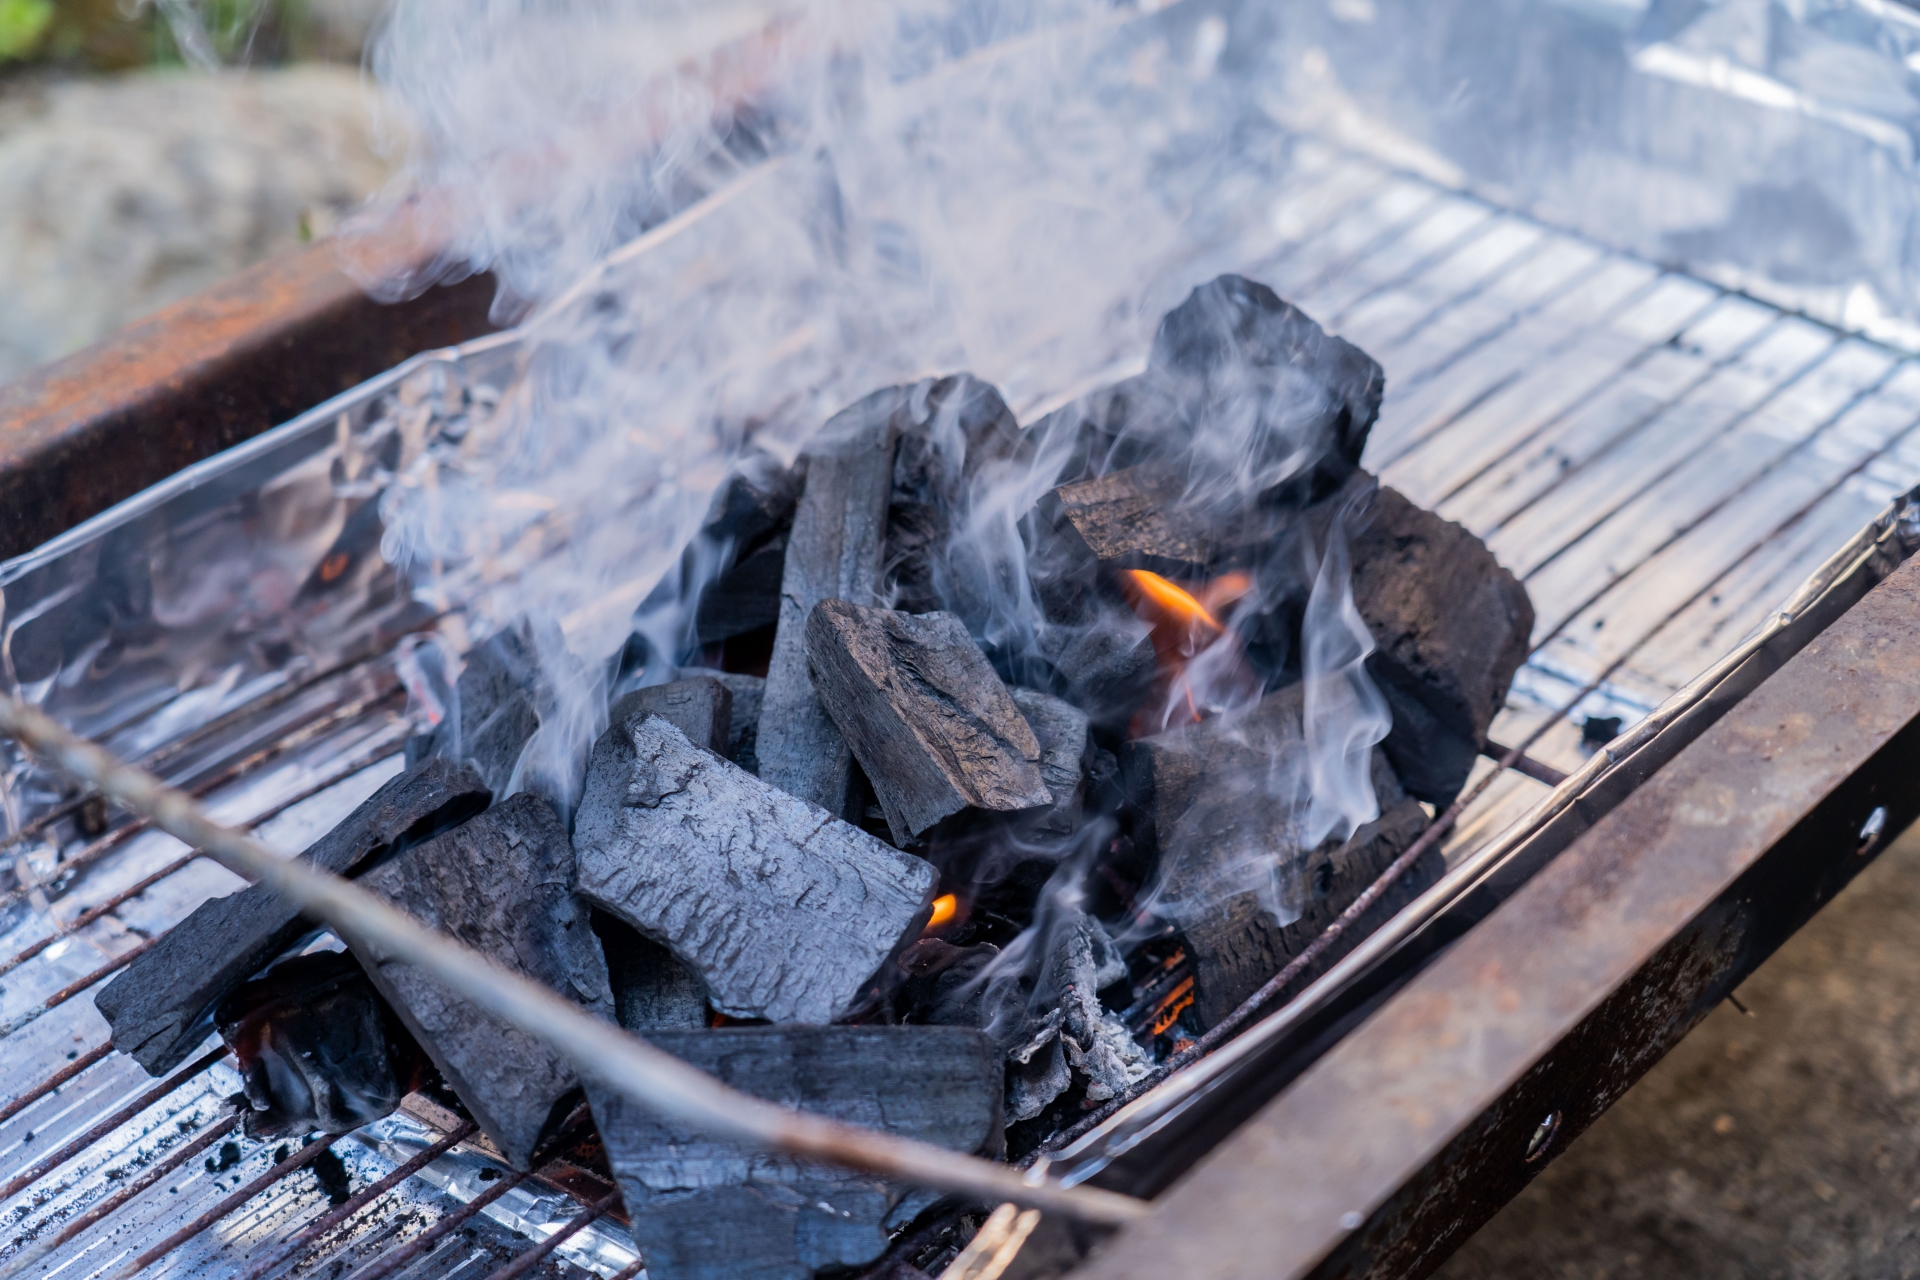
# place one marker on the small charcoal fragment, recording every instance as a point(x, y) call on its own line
point(743, 729)
point(933, 727)
point(1064, 1034)
point(705, 1208)
point(700, 707)
point(835, 551)
point(158, 1007)
point(317, 1047)
point(496, 707)
point(1136, 519)
point(1450, 627)
point(1227, 801)
point(1065, 751)
point(745, 597)
point(781, 909)
point(652, 991)
point(502, 884)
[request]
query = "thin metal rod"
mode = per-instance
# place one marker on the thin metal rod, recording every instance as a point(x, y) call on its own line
point(333, 1218)
point(20, 1182)
point(535, 1256)
point(74, 988)
point(631, 1270)
point(293, 1163)
point(39, 1249)
point(1524, 764)
point(387, 1263)
point(54, 1081)
point(647, 1076)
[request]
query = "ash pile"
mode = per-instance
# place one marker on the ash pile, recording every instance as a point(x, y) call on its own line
point(983, 769)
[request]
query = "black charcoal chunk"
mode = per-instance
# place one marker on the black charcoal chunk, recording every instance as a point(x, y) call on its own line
point(705, 1208)
point(1450, 627)
point(503, 885)
point(1227, 801)
point(700, 707)
point(781, 909)
point(1137, 519)
point(1259, 387)
point(834, 552)
point(743, 728)
point(933, 727)
point(496, 707)
point(159, 1006)
point(1065, 749)
point(651, 990)
point(317, 1048)
point(757, 502)
point(745, 597)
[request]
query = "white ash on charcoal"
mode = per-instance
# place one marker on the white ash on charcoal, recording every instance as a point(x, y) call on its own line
point(835, 551)
point(704, 1208)
point(497, 705)
point(1450, 627)
point(504, 885)
point(1225, 804)
point(701, 707)
point(652, 991)
point(934, 729)
point(159, 1006)
point(317, 1048)
point(782, 910)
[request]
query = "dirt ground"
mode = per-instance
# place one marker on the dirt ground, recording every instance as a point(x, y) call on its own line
point(1781, 1142)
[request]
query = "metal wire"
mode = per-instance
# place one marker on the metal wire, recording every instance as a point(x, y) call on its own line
point(534, 1256)
point(54, 1081)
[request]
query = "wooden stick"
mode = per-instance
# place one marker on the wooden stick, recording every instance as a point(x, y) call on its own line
point(648, 1076)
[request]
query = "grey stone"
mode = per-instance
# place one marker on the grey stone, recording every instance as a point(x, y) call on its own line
point(781, 909)
point(159, 1006)
point(704, 1208)
point(932, 726)
point(503, 885)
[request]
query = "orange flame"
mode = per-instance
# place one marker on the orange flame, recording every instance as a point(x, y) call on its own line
point(945, 907)
point(1163, 603)
point(1183, 623)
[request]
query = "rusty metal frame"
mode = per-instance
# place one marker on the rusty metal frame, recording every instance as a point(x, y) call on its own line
point(206, 373)
point(1415, 1127)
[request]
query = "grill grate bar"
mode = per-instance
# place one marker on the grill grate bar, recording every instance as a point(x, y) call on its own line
point(26, 1099)
point(534, 1256)
point(387, 1263)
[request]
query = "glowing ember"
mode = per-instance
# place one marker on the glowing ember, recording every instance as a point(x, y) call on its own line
point(945, 907)
point(1186, 623)
point(1182, 626)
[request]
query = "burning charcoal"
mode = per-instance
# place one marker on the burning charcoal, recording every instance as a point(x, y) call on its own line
point(783, 911)
point(1259, 386)
point(700, 707)
point(1106, 664)
point(1450, 627)
point(651, 990)
point(943, 986)
point(1227, 800)
point(1074, 1037)
point(495, 711)
point(317, 1048)
point(743, 729)
point(950, 430)
point(1061, 729)
point(704, 1208)
point(933, 727)
point(502, 884)
point(834, 551)
point(158, 1007)
point(1135, 519)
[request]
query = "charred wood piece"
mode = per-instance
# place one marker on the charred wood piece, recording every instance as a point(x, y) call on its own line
point(834, 552)
point(158, 1007)
point(652, 991)
point(743, 726)
point(781, 909)
point(502, 884)
point(745, 597)
point(932, 726)
point(1065, 754)
point(1067, 1035)
point(496, 708)
point(317, 1048)
point(704, 1208)
point(1226, 802)
point(700, 707)
point(1450, 627)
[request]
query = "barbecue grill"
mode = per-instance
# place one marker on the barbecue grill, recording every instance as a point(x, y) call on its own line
point(1696, 485)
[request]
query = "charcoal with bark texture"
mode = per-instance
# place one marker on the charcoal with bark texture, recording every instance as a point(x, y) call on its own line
point(705, 1208)
point(1227, 804)
point(503, 885)
point(316, 1047)
point(700, 707)
point(496, 707)
point(743, 727)
point(1065, 751)
point(651, 990)
point(932, 726)
point(781, 909)
point(834, 552)
point(159, 1005)
point(1450, 627)
point(1064, 1034)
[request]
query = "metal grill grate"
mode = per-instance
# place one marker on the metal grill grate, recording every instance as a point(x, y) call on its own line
point(1660, 459)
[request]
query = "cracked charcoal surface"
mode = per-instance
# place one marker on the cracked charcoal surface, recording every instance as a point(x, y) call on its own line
point(933, 727)
point(158, 1006)
point(502, 884)
point(782, 910)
